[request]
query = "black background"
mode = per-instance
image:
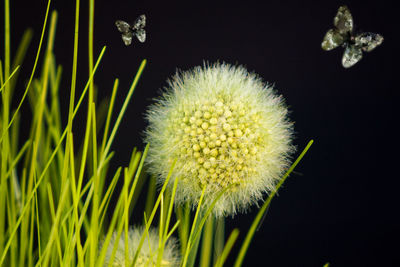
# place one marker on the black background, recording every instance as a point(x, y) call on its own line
point(343, 207)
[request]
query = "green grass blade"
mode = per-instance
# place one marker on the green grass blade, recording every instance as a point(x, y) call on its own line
point(264, 207)
point(9, 78)
point(109, 115)
point(32, 73)
point(123, 109)
point(207, 243)
point(228, 246)
point(153, 212)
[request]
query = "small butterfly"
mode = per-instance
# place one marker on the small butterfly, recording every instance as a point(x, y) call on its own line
point(343, 35)
point(136, 29)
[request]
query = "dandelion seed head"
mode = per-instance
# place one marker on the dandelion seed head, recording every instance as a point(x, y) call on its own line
point(148, 253)
point(226, 128)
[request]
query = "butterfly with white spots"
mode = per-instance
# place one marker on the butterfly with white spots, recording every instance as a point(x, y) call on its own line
point(354, 44)
point(129, 31)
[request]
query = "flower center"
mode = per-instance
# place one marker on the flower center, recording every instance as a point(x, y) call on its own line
point(219, 141)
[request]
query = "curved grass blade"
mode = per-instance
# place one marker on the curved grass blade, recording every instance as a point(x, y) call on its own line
point(252, 230)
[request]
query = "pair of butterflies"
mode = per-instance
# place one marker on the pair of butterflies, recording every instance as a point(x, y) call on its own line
point(129, 31)
point(354, 44)
point(341, 35)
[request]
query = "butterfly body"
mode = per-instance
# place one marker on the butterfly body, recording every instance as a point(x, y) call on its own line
point(129, 31)
point(343, 35)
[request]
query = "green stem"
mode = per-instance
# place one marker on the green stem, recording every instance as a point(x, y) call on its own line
point(207, 243)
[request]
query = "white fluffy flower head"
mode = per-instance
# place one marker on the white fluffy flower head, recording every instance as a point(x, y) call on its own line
point(225, 127)
point(148, 253)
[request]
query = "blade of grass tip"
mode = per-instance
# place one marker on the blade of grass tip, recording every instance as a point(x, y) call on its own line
point(32, 73)
point(107, 196)
point(20, 54)
point(74, 66)
point(207, 243)
point(22, 47)
point(138, 170)
point(171, 206)
point(173, 229)
point(140, 180)
point(228, 246)
point(109, 115)
point(15, 137)
point(122, 111)
point(85, 149)
point(84, 203)
point(16, 160)
point(55, 80)
point(89, 80)
point(253, 227)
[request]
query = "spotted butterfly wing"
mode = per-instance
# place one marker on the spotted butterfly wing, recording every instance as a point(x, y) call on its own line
point(368, 41)
point(343, 21)
point(139, 23)
point(138, 27)
point(129, 31)
point(125, 29)
point(342, 35)
point(337, 36)
point(352, 54)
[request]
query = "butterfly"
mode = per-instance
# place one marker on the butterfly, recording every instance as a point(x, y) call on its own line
point(129, 31)
point(354, 44)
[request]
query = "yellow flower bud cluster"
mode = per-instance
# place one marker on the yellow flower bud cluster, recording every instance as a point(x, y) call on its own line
point(225, 128)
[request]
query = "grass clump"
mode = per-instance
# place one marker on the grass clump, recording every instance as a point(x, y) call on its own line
point(56, 189)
